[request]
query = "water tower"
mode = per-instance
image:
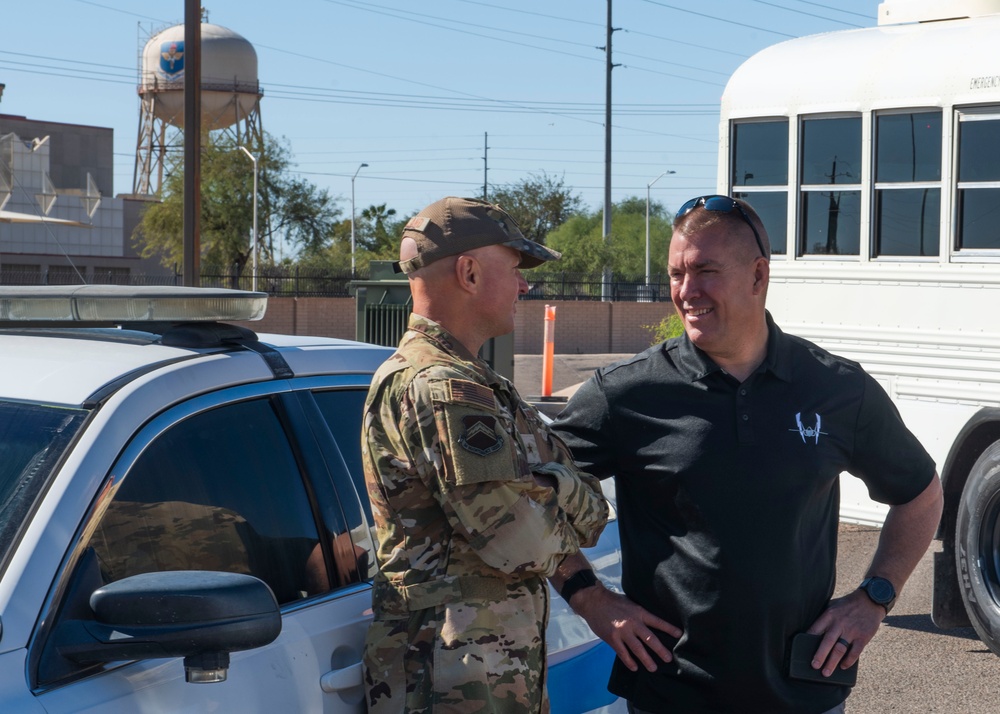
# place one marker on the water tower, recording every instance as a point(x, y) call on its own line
point(230, 97)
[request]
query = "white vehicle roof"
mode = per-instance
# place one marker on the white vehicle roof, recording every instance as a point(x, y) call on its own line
point(69, 369)
point(927, 64)
point(59, 358)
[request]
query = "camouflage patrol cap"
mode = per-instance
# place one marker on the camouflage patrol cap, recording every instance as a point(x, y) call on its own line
point(453, 225)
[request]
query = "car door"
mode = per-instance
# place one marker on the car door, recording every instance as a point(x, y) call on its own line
point(231, 481)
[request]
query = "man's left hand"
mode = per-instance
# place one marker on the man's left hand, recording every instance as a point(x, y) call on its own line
point(848, 625)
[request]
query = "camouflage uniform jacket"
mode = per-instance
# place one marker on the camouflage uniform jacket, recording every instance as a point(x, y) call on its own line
point(466, 536)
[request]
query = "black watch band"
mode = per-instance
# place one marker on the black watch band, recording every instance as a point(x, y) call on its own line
point(577, 581)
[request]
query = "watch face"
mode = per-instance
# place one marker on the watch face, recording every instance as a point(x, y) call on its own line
point(881, 590)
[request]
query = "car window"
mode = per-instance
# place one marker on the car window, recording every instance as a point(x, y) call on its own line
point(342, 410)
point(33, 439)
point(338, 422)
point(220, 490)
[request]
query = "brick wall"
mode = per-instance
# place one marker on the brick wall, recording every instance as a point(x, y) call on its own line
point(582, 327)
point(323, 317)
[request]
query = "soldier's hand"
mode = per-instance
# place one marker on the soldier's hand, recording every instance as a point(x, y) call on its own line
point(625, 625)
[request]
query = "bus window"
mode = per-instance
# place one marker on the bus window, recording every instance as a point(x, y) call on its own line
point(760, 165)
point(831, 154)
point(760, 153)
point(908, 184)
point(772, 207)
point(978, 196)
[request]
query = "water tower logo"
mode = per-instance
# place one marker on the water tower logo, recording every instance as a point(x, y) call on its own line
point(172, 58)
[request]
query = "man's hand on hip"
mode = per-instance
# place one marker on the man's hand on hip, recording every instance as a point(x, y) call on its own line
point(625, 625)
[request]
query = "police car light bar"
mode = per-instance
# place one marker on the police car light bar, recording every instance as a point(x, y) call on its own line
point(123, 303)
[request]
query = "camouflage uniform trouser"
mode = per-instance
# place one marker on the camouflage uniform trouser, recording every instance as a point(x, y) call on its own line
point(466, 657)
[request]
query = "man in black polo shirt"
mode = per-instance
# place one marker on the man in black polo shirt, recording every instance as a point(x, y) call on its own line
point(726, 445)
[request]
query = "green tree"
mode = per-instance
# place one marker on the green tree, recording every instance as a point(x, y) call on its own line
point(306, 214)
point(582, 247)
point(287, 207)
point(585, 250)
point(539, 204)
point(376, 236)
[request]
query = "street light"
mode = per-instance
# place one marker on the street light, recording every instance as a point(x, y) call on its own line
point(352, 215)
point(253, 158)
point(649, 186)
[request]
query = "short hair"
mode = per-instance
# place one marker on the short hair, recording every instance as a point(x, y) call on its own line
point(697, 220)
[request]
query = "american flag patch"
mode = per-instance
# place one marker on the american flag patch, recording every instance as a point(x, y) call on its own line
point(471, 393)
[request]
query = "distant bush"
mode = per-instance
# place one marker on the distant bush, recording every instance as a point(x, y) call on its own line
point(669, 326)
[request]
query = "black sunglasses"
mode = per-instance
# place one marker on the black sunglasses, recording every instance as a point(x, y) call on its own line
point(721, 204)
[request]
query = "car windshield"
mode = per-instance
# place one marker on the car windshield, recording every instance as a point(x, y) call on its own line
point(33, 438)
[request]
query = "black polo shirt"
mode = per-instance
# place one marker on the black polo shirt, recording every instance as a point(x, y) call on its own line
point(728, 500)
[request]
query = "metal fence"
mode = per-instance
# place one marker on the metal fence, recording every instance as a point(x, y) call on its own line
point(587, 286)
point(295, 281)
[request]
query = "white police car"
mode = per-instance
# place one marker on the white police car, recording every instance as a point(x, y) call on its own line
point(183, 524)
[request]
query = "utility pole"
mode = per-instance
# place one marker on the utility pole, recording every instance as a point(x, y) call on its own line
point(253, 245)
point(648, 187)
point(353, 271)
point(486, 149)
point(192, 142)
point(609, 65)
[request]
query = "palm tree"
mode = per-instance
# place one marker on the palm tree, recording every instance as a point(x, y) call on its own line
point(378, 239)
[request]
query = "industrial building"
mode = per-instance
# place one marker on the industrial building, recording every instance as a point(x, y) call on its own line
point(60, 221)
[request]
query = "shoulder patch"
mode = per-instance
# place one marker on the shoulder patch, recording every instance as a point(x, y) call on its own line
point(481, 435)
point(466, 392)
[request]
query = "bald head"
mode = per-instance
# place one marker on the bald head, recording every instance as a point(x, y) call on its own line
point(473, 295)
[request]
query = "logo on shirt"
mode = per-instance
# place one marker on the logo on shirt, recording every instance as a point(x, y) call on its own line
point(808, 432)
point(481, 436)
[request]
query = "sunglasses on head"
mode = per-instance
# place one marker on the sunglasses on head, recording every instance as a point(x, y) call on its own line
point(721, 204)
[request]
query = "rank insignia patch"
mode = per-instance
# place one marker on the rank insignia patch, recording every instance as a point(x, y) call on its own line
point(481, 436)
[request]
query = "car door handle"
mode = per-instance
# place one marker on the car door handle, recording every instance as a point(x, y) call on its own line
point(339, 679)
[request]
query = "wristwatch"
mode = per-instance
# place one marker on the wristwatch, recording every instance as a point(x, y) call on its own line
point(880, 591)
point(577, 581)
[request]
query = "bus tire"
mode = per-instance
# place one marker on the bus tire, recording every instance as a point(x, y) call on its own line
point(977, 546)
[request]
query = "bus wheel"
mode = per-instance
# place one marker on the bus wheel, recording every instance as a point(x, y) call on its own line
point(977, 546)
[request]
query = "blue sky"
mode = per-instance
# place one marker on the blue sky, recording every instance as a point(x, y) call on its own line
point(411, 88)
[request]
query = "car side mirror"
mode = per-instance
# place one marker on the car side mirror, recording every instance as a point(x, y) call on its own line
point(198, 615)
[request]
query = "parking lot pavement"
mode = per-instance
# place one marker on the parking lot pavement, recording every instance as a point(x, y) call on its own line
point(911, 667)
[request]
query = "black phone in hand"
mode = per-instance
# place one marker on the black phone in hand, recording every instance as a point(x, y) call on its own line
point(804, 646)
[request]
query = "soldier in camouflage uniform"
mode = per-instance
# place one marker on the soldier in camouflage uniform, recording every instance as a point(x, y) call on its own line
point(476, 503)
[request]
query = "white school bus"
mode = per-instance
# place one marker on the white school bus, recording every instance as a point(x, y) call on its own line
point(873, 158)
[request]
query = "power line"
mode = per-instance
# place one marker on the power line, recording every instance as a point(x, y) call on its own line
point(123, 12)
point(601, 26)
point(306, 93)
point(682, 42)
point(389, 12)
point(367, 7)
point(718, 19)
point(836, 9)
point(803, 12)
